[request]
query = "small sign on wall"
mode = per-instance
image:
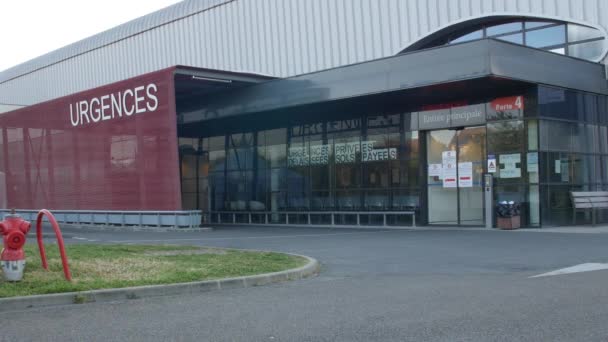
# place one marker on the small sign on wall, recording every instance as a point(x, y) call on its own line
point(492, 163)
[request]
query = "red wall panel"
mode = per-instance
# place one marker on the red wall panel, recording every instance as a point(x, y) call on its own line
point(110, 148)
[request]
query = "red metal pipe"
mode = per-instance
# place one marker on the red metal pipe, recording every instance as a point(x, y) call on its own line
point(64, 258)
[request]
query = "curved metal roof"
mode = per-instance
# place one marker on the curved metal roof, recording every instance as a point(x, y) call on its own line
point(166, 15)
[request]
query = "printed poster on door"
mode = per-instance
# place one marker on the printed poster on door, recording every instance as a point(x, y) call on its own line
point(435, 170)
point(465, 175)
point(448, 159)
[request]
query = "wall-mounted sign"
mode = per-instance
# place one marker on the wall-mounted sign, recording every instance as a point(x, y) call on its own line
point(137, 100)
point(492, 165)
point(465, 175)
point(448, 159)
point(506, 108)
point(454, 117)
point(508, 103)
point(510, 165)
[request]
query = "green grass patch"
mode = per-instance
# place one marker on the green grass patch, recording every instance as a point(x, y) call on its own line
point(114, 266)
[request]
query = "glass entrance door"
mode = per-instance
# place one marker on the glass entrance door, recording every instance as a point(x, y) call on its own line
point(455, 172)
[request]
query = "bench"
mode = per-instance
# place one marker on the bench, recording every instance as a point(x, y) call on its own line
point(588, 200)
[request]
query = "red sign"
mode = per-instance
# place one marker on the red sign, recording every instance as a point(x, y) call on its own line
point(508, 103)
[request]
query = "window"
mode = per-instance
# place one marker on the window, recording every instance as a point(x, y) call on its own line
point(517, 38)
point(504, 28)
point(590, 50)
point(578, 33)
point(554, 36)
point(550, 36)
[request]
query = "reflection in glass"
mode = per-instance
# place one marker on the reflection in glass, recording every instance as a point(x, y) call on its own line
point(590, 50)
point(517, 38)
point(549, 36)
point(579, 32)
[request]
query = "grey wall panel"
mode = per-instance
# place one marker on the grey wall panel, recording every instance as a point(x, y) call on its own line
point(275, 37)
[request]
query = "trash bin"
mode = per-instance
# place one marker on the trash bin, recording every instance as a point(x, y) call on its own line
point(508, 215)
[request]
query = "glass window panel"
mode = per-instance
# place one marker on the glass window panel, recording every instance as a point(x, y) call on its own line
point(376, 200)
point(602, 109)
point(549, 36)
point(557, 103)
point(469, 36)
point(506, 136)
point(532, 135)
point(556, 135)
point(579, 32)
point(406, 199)
point(603, 139)
point(503, 28)
point(591, 108)
point(590, 50)
point(517, 38)
point(534, 24)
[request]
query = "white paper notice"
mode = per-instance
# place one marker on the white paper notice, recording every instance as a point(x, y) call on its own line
point(465, 175)
point(435, 170)
point(509, 167)
point(449, 169)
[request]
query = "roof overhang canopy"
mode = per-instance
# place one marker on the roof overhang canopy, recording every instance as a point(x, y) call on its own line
point(478, 60)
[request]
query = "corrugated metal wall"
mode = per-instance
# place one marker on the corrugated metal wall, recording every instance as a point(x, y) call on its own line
point(280, 38)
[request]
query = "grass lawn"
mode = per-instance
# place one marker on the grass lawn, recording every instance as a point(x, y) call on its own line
point(113, 266)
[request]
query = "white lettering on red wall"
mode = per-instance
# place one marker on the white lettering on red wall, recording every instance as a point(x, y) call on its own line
point(126, 103)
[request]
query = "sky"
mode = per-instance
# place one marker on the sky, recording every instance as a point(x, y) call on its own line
point(31, 28)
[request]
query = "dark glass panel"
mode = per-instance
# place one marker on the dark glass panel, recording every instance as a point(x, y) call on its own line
point(534, 24)
point(556, 135)
point(503, 28)
point(468, 37)
point(505, 136)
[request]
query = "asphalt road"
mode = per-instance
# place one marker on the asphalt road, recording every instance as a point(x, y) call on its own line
point(423, 285)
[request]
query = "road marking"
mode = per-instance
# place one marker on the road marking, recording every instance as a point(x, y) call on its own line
point(588, 267)
point(254, 237)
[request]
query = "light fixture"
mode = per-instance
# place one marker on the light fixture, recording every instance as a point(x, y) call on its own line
point(211, 79)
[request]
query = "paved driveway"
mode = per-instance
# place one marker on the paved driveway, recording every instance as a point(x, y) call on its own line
point(419, 285)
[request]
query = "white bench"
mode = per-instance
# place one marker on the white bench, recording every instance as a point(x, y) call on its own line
point(588, 201)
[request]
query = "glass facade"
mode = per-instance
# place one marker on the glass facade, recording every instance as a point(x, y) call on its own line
point(558, 37)
point(545, 143)
point(573, 151)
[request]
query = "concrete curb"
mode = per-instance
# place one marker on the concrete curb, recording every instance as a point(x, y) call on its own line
point(127, 293)
point(104, 228)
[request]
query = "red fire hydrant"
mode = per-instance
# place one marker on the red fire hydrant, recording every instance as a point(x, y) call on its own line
point(14, 229)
